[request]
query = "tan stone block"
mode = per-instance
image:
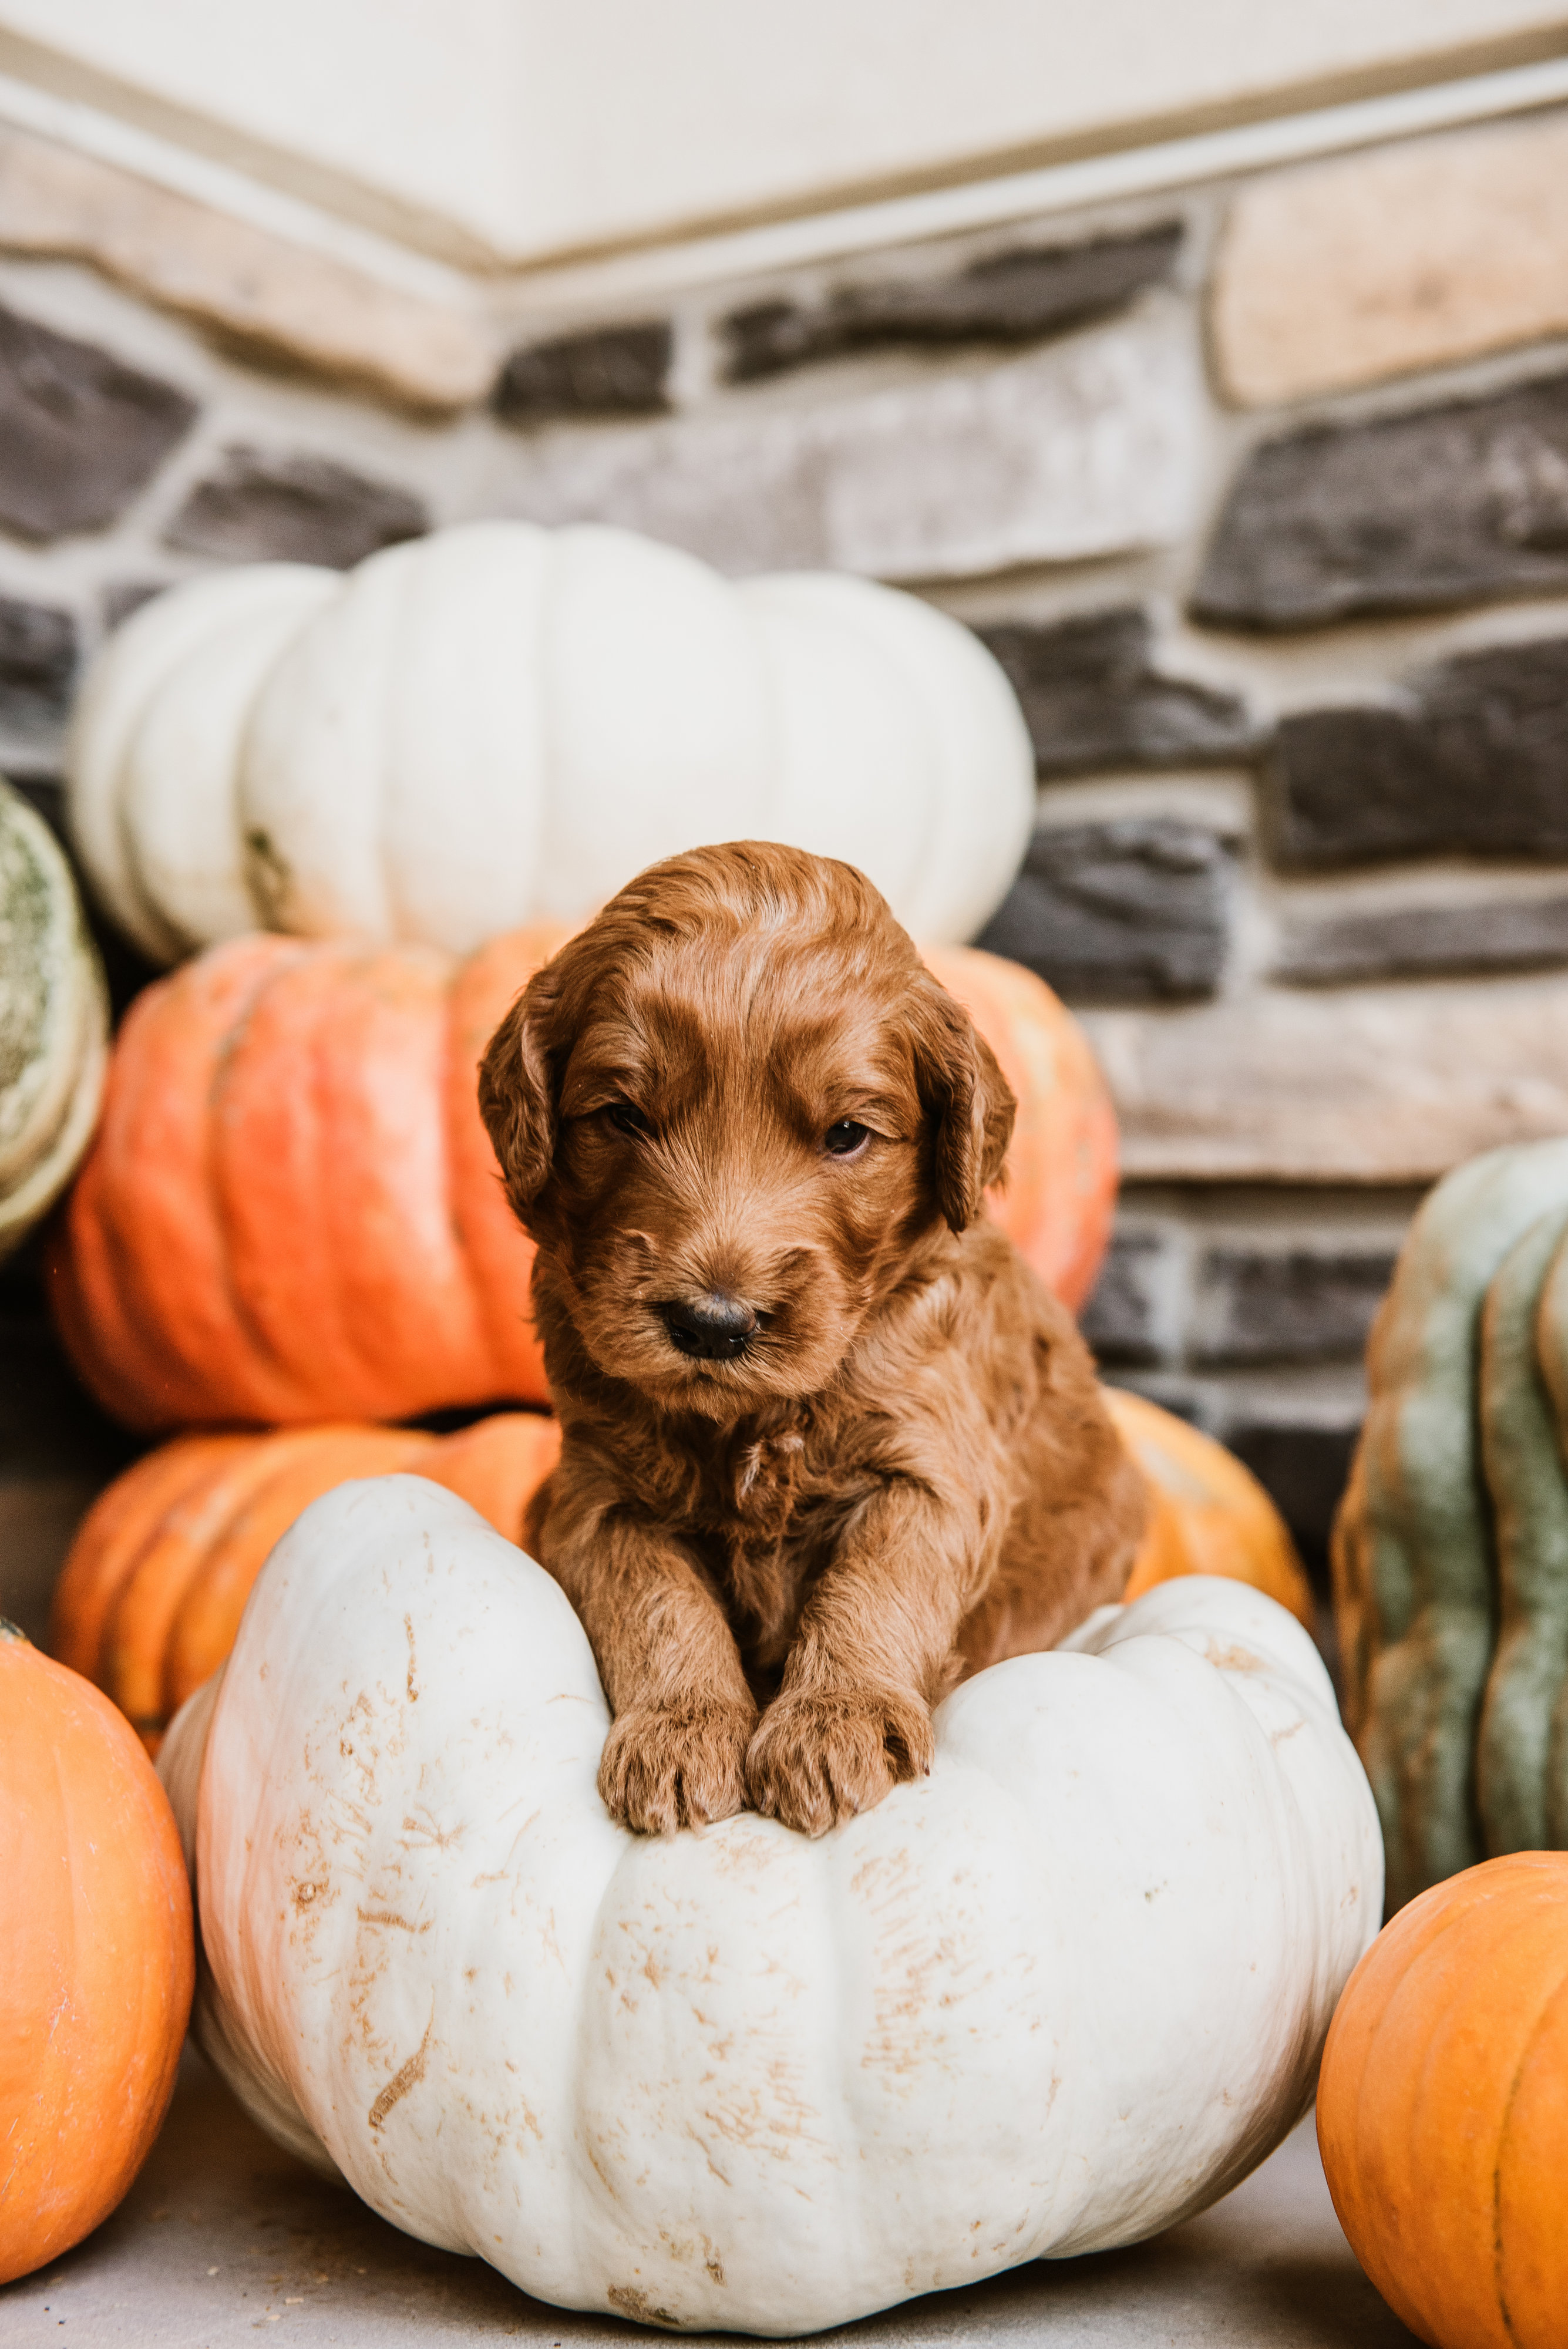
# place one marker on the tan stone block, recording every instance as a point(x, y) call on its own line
point(186, 256)
point(1411, 256)
point(1369, 1085)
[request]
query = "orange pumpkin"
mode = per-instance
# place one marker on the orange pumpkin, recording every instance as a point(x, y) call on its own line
point(1060, 1193)
point(292, 1212)
point(150, 1597)
point(1209, 1514)
point(151, 1594)
point(96, 1957)
point(1442, 2107)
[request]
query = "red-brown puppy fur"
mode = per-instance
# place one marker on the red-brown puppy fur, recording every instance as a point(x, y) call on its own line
point(739, 1093)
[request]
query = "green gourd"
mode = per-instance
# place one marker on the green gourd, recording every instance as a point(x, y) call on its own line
point(1521, 1766)
point(54, 1021)
point(1448, 1581)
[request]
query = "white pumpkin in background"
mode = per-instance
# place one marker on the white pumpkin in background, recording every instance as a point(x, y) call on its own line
point(1062, 1992)
point(500, 724)
point(54, 1021)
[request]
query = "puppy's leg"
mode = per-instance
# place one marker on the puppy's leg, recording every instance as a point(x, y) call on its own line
point(874, 1652)
point(675, 1756)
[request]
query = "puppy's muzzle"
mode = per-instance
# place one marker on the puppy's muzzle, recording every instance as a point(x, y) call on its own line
point(716, 1328)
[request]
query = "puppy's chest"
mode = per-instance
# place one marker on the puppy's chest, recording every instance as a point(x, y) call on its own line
point(766, 1520)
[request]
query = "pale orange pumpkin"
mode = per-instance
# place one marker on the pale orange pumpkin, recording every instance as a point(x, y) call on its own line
point(1442, 2107)
point(150, 1597)
point(292, 1212)
point(96, 1956)
point(1208, 1515)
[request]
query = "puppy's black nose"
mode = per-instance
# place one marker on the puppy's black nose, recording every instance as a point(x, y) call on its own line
point(715, 1328)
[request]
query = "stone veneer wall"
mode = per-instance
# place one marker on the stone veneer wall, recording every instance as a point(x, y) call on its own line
point(1259, 493)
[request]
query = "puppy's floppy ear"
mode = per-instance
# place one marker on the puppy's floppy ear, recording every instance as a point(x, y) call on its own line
point(516, 1093)
point(968, 1099)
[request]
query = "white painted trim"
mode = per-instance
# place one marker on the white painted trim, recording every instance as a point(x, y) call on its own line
point(653, 274)
point(1053, 188)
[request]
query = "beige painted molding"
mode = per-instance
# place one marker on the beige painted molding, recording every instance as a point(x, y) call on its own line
point(202, 238)
point(511, 134)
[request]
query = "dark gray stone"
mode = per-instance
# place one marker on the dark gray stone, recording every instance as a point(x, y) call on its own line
point(1477, 764)
point(1126, 1321)
point(1095, 701)
point(1256, 1304)
point(613, 371)
point(57, 1449)
point(259, 507)
point(80, 432)
point(1304, 1469)
point(1017, 296)
point(1134, 911)
point(1417, 941)
point(37, 665)
point(1446, 505)
point(123, 596)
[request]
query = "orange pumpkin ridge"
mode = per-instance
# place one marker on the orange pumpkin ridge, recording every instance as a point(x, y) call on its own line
point(110, 1538)
point(99, 1956)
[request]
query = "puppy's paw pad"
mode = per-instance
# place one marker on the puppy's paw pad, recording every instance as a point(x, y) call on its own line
point(819, 1758)
point(669, 1767)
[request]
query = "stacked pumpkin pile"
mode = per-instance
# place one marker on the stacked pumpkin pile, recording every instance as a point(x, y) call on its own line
point(290, 1218)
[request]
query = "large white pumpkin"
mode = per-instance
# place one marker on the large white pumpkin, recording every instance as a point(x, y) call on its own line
point(1066, 1991)
point(500, 724)
point(54, 1021)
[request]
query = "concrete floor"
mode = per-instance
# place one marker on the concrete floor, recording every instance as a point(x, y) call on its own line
point(223, 2235)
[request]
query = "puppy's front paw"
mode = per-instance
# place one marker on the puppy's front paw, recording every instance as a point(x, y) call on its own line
point(820, 1757)
point(669, 1766)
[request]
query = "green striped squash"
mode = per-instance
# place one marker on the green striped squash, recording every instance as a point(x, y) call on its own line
point(54, 1021)
point(1450, 1551)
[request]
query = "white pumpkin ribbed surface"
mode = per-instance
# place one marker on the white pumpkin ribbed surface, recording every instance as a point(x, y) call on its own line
point(500, 724)
point(1064, 1992)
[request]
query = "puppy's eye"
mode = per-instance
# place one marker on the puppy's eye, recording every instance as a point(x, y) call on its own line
point(842, 1140)
point(628, 1119)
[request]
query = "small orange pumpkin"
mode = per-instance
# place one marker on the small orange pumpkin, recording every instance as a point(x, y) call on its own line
point(96, 1956)
point(1209, 1514)
point(150, 1597)
point(1442, 2107)
point(292, 1212)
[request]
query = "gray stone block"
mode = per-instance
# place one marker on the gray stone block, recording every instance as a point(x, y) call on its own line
point(37, 666)
point(261, 508)
point(1087, 447)
point(1258, 1304)
point(1014, 296)
point(1474, 763)
point(80, 432)
point(1415, 941)
point(1133, 1320)
point(612, 371)
point(1095, 700)
point(1303, 1466)
point(1131, 911)
point(1444, 506)
point(123, 596)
